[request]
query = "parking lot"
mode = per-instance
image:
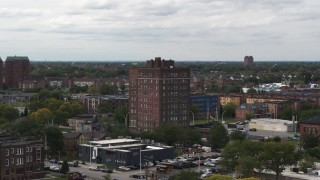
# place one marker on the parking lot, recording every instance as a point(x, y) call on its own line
point(92, 173)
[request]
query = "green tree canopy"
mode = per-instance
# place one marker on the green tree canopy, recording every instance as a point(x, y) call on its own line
point(104, 107)
point(276, 156)
point(229, 109)
point(185, 175)
point(218, 136)
point(237, 135)
point(55, 139)
point(64, 167)
point(106, 89)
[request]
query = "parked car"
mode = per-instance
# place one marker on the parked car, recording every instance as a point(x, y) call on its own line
point(73, 163)
point(209, 164)
point(82, 174)
point(252, 129)
point(106, 170)
point(137, 176)
point(123, 168)
point(131, 167)
point(53, 161)
point(54, 169)
point(94, 168)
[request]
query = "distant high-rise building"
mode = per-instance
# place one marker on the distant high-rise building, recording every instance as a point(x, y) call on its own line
point(158, 94)
point(1, 74)
point(16, 70)
point(248, 60)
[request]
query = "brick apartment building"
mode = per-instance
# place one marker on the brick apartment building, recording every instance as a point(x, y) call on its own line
point(158, 93)
point(16, 71)
point(21, 159)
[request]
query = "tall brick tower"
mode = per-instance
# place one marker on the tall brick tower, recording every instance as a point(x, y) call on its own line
point(158, 94)
point(17, 70)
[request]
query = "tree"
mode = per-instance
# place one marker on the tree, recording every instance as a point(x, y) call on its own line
point(169, 134)
point(286, 113)
point(252, 91)
point(309, 141)
point(42, 116)
point(64, 167)
point(219, 177)
point(242, 156)
point(106, 89)
point(25, 128)
point(218, 136)
point(186, 174)
point(229, 109)
point(276, 156)
point(104, 107)
point(119, 113)
point(237, 135)
point(249, 116)
point(55, 139)
point(10, 113)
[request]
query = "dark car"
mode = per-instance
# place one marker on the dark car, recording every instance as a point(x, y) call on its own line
point(178, 165)
point(132, 167)
point(106, 170)
point(253, 129)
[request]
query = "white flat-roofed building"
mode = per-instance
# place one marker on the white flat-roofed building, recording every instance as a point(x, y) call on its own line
point(114, 142)
point(271, 124)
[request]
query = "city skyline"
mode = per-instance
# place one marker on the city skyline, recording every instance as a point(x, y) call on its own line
point(204, 30)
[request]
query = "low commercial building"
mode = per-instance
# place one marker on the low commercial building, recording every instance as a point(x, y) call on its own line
point(271, 125)
point(122, 152)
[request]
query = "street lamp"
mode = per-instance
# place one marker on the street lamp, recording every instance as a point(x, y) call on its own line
point(192, 117)
point(125, 119)
point(140, 160)
point(222, 116)
point(52, 120)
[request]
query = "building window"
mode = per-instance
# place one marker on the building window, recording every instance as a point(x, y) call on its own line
point(27, 159)
point(7, 152)
point(30, 159)
point(27, 149)
point(19, 161)
point(12, 150)
point(7, 162)
point(19, 151)
point(12, 160)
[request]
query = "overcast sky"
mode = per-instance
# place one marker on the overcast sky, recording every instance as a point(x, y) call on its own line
point(173, 29)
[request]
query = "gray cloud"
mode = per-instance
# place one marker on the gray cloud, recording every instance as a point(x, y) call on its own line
point(208, 27)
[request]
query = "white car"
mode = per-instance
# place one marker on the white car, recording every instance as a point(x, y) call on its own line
point(123, 168)
point(207, 174)
point(209, 164)
point(54, 168)
point(94, 168)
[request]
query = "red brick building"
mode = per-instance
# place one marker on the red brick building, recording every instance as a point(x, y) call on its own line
point(310, 126)
point(257, 110)
point(21, 159)
point(158, 93)
point(17, 70)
